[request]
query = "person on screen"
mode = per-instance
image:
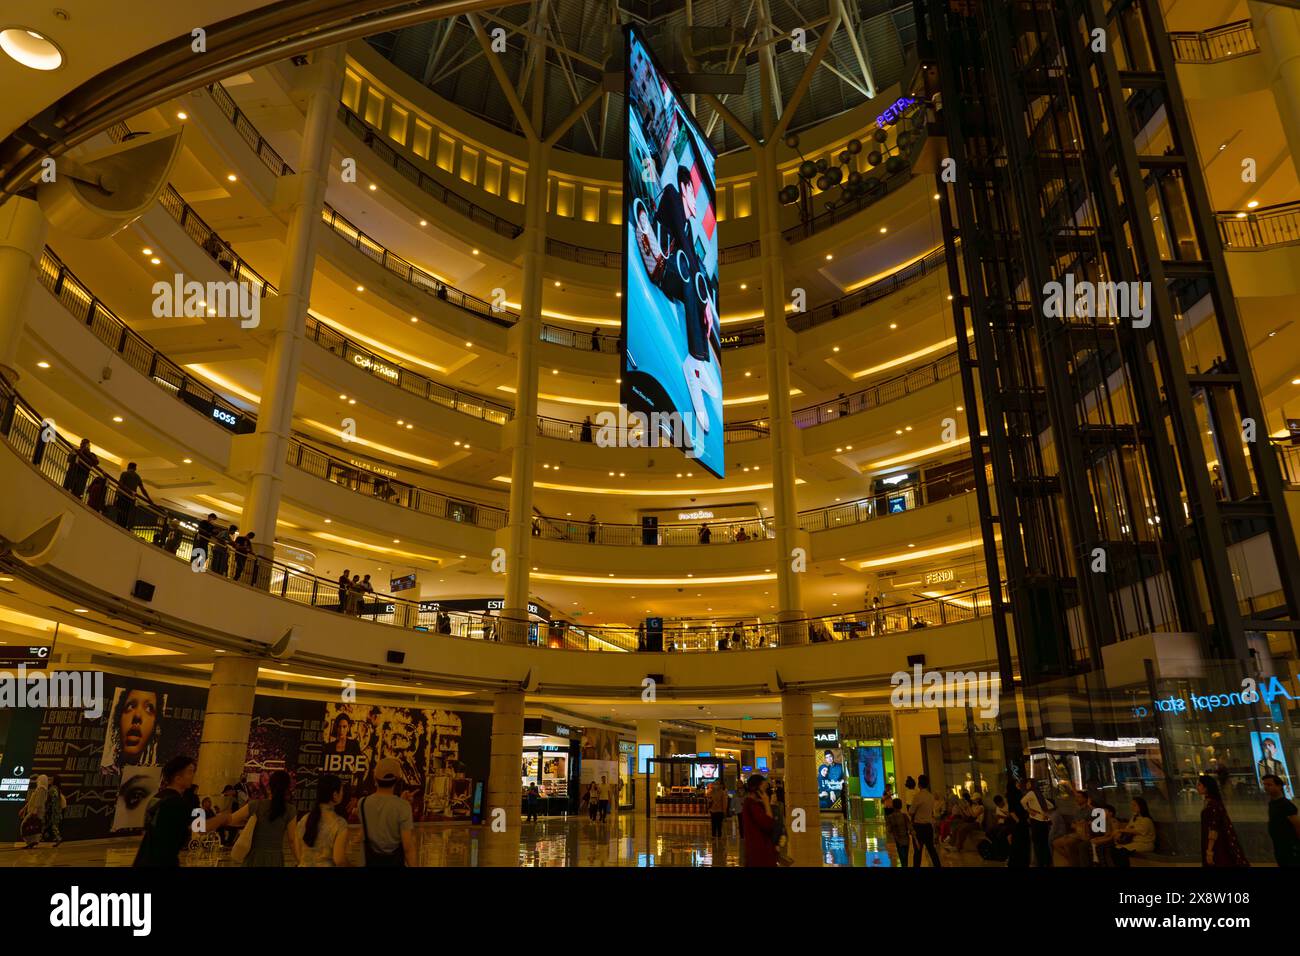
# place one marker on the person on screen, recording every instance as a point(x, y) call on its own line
point(134, 730)
point(675, 271)
point(1270, 765)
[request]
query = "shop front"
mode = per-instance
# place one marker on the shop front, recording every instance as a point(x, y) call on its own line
point(552, 758)
point(681, 783)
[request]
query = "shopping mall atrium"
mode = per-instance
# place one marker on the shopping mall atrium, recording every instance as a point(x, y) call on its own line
point(586, 408)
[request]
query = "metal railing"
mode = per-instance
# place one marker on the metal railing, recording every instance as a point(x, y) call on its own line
point(213, 552)
point(1288, 457)
point(1261, 228)
point(1211, 46)
point(134, 350)
point(930, 490)
point(886, 286)
point(592, 432)
point(874, 396)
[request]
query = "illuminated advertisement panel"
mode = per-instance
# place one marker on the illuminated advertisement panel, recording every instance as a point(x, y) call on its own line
point(672, 370)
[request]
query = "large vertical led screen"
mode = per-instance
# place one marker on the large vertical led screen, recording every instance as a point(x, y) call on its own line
point(672, 350)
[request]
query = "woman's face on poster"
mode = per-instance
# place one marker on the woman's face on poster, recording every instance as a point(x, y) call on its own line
point(137, 722)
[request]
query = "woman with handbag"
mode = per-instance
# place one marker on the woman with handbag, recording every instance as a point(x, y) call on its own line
point(33, 813)
point(268, 820)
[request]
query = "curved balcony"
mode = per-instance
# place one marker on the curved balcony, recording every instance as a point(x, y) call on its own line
point(178, 536)
point(1214, 45)
point(1264, 228)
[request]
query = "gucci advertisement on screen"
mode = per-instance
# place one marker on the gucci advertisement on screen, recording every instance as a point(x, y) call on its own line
point(672, 347)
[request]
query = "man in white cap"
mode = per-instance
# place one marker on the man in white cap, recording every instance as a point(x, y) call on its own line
point(386, 820)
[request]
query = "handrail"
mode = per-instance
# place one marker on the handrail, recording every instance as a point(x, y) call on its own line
point(932, 261)
point(1262, 228)
point(873, 396)
point(1216, 44)
point(36, 441)
point(565, 430)
point(134, 350)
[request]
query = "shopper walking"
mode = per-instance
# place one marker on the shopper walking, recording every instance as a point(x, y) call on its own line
point(80, 462)
point(717, 808)
point(33, 812)
point(1283, 823)
point(167, 820)
point(899, 827)
point(55, 804)
point(322, 833)
point(387, 820)
point(1039, 808)
point(757, 825)
point(602, 798)
point(1219, 846)
point(271, 818)
point(923, 822)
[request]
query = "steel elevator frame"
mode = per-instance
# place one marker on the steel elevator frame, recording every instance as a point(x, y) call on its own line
point(1093, 426)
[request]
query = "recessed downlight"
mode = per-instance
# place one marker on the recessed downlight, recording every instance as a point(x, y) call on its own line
point(31, 49)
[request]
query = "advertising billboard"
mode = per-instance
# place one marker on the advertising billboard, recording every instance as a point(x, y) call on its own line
point(672, 348)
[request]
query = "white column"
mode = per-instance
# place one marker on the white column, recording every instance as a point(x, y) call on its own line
point(1277, 29)
point(22, 240)
point(801, 777)
point(286, 314)
point(784, 440)
point(505, 789)
point(223, 742)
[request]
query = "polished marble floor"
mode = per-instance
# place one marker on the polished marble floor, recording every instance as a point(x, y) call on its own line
point(626, 840)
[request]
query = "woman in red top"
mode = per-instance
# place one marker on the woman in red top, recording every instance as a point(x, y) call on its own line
point(1219, 846)
point(757, 823)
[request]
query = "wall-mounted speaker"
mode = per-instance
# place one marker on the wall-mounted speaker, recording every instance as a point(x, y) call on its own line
point(396, 657)
point(915, 659)
point(143, 591)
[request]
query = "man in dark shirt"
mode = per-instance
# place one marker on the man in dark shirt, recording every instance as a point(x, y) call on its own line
point(168, 819)
point(1283, 823)
point(129, 486)
point(345, 582)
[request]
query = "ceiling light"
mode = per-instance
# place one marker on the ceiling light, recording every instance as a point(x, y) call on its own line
point(373, 187)
point(42, 364)
point(409, 425)
point(188, 461)
point(835, 348)
point(31, 49)
point(936, 195)
point(329, 520)
point(182, 115)
point(147, 251)
point(361, 288)
point(1252, 204)
point(462, 555)
point(557, 283)
point(1295, 381)
point(232, 177)
point(352, 401)
point(80, 610)
point(884, 229)
point(744, 285)
point(469, 345)
point(618, 295)
point(400, 422)
point(414, 319)
point(117, 418)
point(893, 325)
point(343, 397)
point(474, 252)
point(395, 541)
point(424, 222)
point(156, 261)
point(829, 257)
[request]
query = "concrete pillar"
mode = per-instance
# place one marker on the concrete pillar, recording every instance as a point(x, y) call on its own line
point(22, 240)
point(504, 789)
point(801, 777)
point(223, 742)
point(785, 441)
point(647, 732)
point(286, 314)
point(516, 536)
point(1277, 29)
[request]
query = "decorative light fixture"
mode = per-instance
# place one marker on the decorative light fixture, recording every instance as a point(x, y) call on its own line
point(31, 49)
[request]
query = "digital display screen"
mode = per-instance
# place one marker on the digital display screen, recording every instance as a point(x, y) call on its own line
point(643, 753)
point(871, 771)
point(672, 346)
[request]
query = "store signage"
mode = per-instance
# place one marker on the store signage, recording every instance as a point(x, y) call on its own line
point(499, 604)
point(1246, 697)
point(850, 626)
point(626, 747)
point(895, 111)
point(827, 738)
point(897, 504)
point(694, 515)
point(14, 789)
point(377, 367)
point(895, 479)
point(946, 576)
point(229, 419)
point(377, 469)
point(404, 583)
point(769, 735)
point(561, 730)
point(29, 657)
